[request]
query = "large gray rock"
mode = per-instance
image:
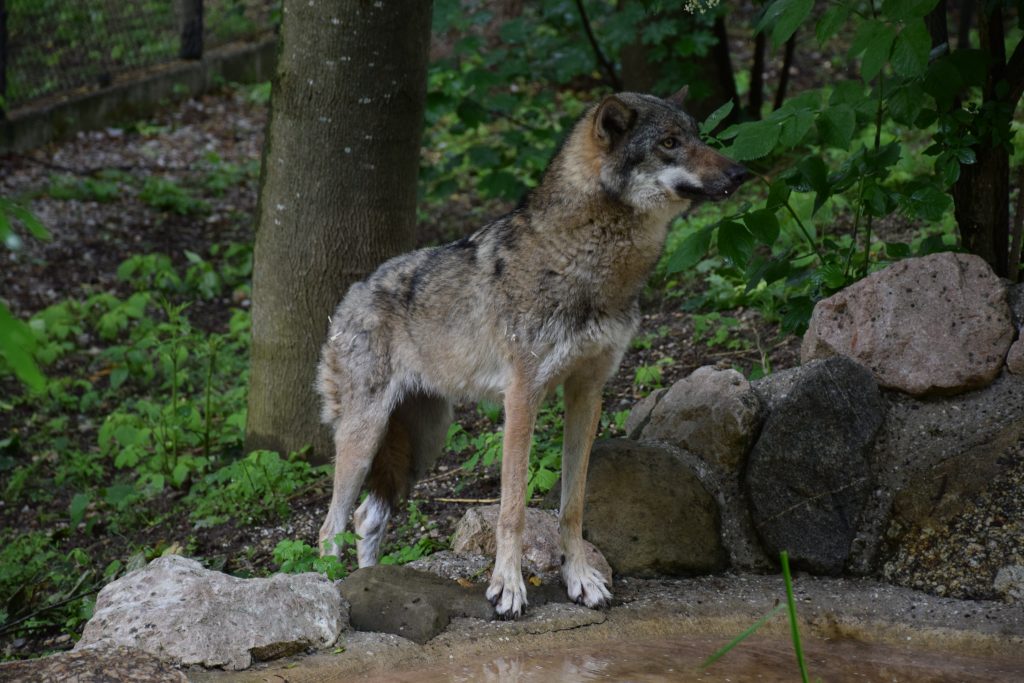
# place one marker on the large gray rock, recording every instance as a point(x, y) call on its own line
point(94, 664)
point(648, 511)
point(808, 475)
point(640, 415)
point(177, 610)
point(939, 324)
point(475, 535)
point(712, 413)
point(409, 603)
point(929, 460)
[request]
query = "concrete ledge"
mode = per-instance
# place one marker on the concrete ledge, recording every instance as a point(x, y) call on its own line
point(136, 94)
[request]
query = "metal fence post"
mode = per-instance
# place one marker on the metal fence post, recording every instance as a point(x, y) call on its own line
point(191, 29)
point(3, 60)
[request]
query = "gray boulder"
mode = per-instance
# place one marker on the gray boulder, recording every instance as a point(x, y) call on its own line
point(929, 460)
point(640, 415)
point(475, 535)
point(94, 664)
point(939, 324)
point(712, 413)
point(409, 603)
point(1009, 583)
point(178, 611)
point(808, 475)
point(648, 511)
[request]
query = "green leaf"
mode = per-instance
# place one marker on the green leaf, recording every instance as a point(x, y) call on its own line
point(735, 242)
point(16, 346)
point(910, 51)
point(715, 117)
point(897, 250)
point(831, 21)
point(795, 128)
point(872, 43)
point(754, 140)
point(815, 174)
point(79, 502)
point(966, 155)
point(929, 203)
point(943, 81)
point(784, 16)
point(690, 252)
point(778, 194)
point(501, 184)
point(905, 103)
point(836, 125)
point(763, 225)
point(31, 223)
point(471, 112)
point(904, 10)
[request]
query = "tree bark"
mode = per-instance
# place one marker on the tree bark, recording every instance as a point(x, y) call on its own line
point(337, 192)
point(191, 29)
point(981, 196)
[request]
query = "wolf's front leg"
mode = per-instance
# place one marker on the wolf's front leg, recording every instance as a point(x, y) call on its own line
point(584, 584)
point(507, 591)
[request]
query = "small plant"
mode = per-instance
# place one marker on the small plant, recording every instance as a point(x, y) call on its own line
point(101, 189)
point(794, 628)
point(168, 195)
point(651, 376)
point(296, 557)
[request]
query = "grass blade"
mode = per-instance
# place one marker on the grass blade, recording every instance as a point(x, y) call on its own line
point(741, 637)
point(793, 627)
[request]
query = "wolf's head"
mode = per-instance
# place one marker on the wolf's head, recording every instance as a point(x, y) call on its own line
point(651, 155)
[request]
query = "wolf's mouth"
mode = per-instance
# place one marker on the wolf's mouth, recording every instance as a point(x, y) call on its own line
point(702, 194)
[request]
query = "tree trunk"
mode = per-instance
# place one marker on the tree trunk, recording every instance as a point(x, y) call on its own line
point(981, 196)
point(337, 192)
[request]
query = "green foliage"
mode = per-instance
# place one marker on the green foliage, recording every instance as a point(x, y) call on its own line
point(17, 344)
point(857, 149)
point(251, 489)
point(167, 195)
point(545, 464)
point(296, 557)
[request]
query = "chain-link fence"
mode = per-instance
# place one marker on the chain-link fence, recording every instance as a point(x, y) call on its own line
point(55, 46)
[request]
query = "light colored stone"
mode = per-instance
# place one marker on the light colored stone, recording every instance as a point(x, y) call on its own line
point(939, 324)
point(1009, 583)
point(713, 413)
point(93, 664)
point(649, 512)
point(178, 611)
point(474, 535)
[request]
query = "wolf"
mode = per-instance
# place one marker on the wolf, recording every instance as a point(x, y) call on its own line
point(546, 295)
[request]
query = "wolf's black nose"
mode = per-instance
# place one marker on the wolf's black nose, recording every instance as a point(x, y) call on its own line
point(737, 174)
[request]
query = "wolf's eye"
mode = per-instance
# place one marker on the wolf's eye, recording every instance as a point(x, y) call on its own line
point(669, 143)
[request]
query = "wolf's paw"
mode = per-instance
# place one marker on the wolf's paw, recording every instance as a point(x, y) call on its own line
point(327, 545)
point(507, 593)
point(585, 585)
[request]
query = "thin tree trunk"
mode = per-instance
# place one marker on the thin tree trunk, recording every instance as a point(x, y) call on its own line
point(755, 99)
point(337, 192)
point(191, 29)
point(787, 64)
point(981, 195)
point(3, 60)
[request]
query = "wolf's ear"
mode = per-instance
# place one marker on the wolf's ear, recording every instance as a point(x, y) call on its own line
point(611, 121)
point(679, 99)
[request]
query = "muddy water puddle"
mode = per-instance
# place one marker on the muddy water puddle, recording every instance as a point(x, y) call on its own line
point(758, 659)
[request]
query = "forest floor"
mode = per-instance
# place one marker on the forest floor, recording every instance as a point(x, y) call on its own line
point(91, 194)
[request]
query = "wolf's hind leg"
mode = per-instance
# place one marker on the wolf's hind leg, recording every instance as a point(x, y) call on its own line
point(357, 438)
point(584, 584)
point(388, 484)
point(415, 436)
